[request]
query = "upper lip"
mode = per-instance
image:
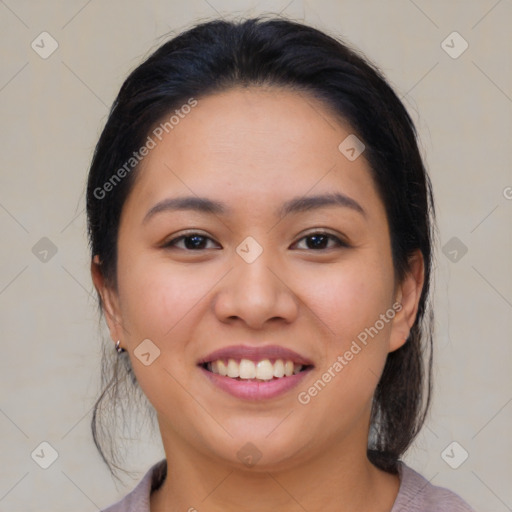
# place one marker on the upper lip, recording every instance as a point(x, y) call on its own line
point(256, 354)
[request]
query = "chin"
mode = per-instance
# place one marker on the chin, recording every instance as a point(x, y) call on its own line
point(260, 453)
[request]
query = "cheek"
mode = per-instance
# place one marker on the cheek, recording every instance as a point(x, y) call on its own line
point(162, 304)
point(352, 298)
point(158, 298)
point(351, 303)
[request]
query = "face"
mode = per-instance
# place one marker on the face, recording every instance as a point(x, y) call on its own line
point(269, 273)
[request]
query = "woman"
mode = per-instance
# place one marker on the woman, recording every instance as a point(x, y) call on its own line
point(261, 225)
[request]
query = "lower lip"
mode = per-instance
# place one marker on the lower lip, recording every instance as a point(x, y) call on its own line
point(255, 390)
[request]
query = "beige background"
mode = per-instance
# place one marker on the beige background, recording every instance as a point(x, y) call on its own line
point(52, 111)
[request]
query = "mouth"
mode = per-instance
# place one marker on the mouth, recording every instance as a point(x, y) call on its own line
point(261, 364)
point(249, 370)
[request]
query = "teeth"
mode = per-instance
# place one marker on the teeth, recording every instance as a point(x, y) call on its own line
point(264, 370)
point(247, 369)
point(222, 368)
point(233, 369)
point(279, 368)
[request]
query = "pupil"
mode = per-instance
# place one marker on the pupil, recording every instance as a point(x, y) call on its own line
point(318, 239)
point(197, 243)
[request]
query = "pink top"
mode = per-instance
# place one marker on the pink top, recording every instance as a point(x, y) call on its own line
point(416, 493)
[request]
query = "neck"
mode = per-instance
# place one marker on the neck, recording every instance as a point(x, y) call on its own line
point(339, 479)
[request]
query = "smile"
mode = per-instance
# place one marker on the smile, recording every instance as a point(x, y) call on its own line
point(255, 372)
point(246, 369)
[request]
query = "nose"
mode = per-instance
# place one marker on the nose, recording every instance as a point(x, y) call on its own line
point(256, 293)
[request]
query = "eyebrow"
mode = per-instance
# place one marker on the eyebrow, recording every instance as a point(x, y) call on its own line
point(295, 205)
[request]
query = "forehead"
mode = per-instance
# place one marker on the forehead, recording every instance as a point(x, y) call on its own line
point(263, 123)
point(249, 144)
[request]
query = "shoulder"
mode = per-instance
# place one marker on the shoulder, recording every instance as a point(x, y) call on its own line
point(417, 494)
point(139, 498)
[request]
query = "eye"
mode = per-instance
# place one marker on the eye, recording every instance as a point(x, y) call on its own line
point(192, 241)
point(319, 239)
point(195, 241)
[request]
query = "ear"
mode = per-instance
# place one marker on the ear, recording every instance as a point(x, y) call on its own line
point(109, 300)
point(408, 296)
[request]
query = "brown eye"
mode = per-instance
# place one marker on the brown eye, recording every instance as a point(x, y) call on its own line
point(191, 242)
point(320, 240)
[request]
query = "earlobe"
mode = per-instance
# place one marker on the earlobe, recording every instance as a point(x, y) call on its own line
point(109, 300)
point(408, 296)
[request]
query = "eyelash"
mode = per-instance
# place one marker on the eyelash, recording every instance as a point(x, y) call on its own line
point(172, 243)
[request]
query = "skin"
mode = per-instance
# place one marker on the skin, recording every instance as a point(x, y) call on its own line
point(254, 149)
